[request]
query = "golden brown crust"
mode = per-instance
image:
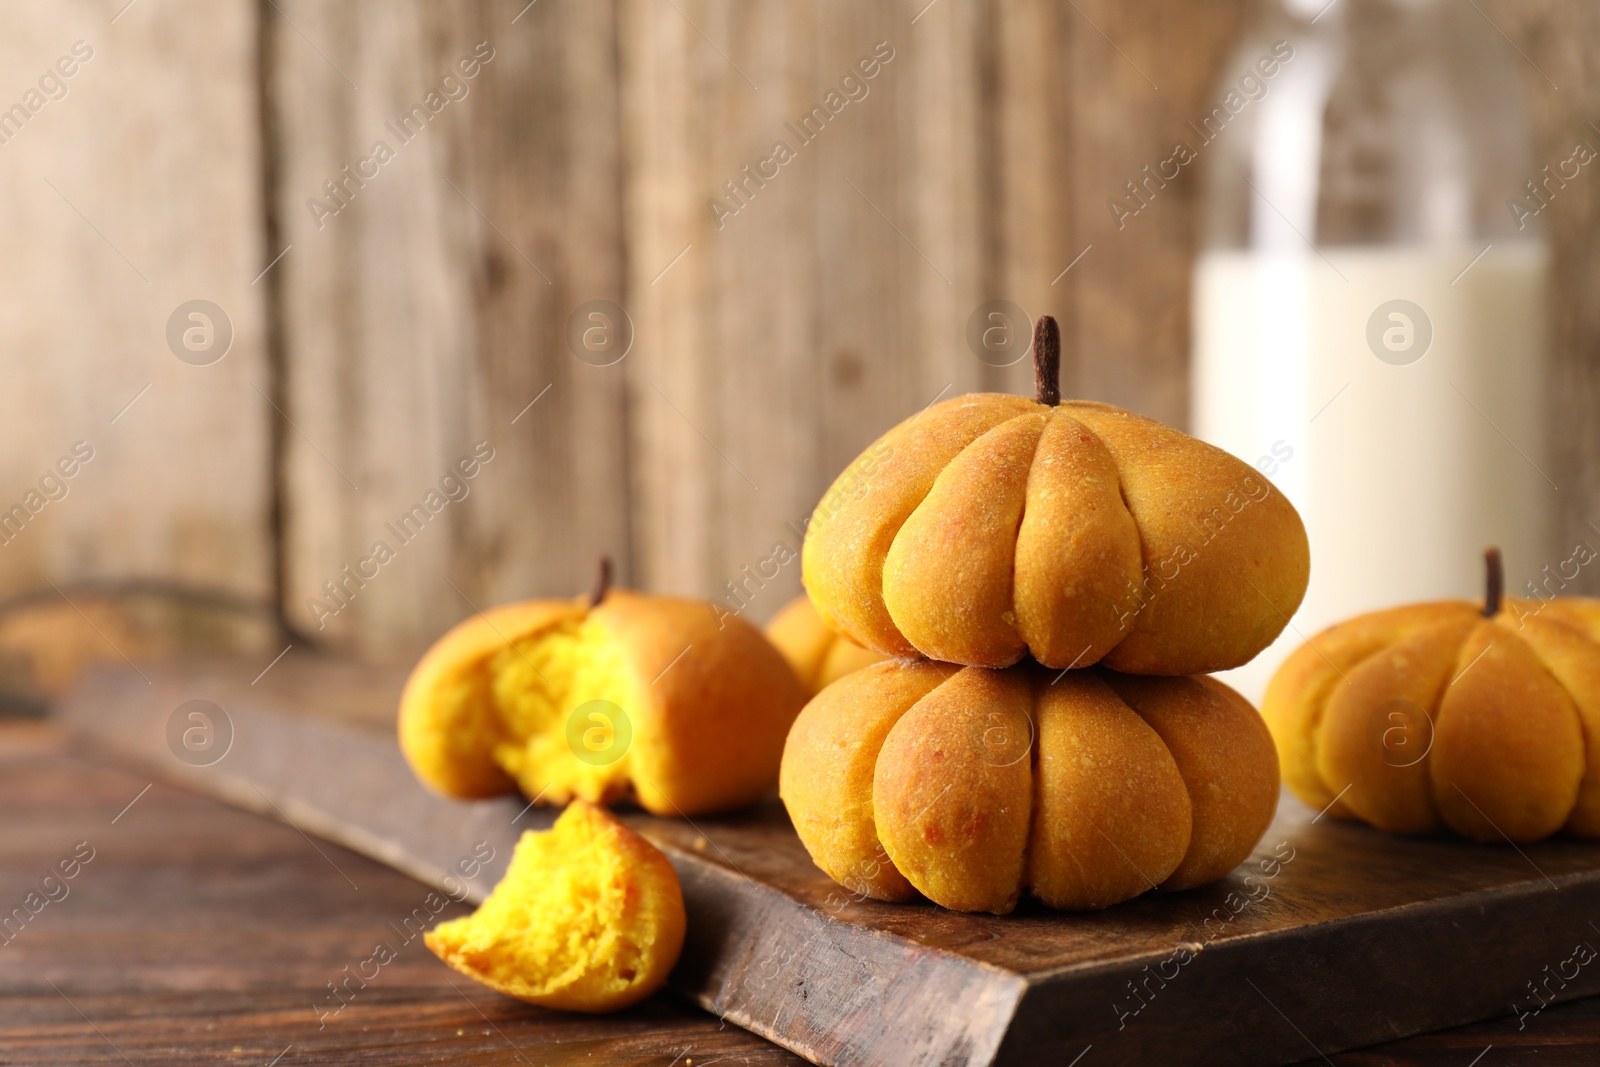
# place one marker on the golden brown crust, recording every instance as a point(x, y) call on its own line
point(1372, 727)
point(826, 780)
point(1229, 766)
point(1111, 812)
point(1580, 613)
point(979, 784)
point(1298, 693)
point(1569, 655)
point(953, 790)
point(1151, 551)
point(947, 578)
point(1227, 551)
point(1077, 550)
point(1507, 750)
point(845, 545)
point(721, 700)
point(1430, 715)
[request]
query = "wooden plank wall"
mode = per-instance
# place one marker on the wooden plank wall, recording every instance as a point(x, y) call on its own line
point(1559, 42)
point(425, 314)
point(578, 165)
point(774, 336)
point(132, 187)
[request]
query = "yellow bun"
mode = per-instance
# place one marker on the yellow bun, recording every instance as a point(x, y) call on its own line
point(818, 654)
point(589, 917)
point(972, 786)
point(1431, 715)
point(645, 697)
point(990, 527)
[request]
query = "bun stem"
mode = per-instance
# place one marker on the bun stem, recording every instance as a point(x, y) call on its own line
point(602, 582)
point(1047, 360)
point(1494, 582)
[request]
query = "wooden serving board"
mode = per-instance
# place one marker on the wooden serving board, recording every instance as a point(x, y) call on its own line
point(1331, 937)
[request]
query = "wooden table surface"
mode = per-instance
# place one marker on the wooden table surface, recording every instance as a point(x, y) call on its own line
point(201, 934)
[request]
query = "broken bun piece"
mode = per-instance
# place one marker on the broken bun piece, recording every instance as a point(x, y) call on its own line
point(589, 917)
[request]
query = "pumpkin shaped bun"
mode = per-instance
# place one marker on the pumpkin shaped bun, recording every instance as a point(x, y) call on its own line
point(991, 526)
point(972, 786)
point(1481, 718)
point(620, 695)
point(817, 653)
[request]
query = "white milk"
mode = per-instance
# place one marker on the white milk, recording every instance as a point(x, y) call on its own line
point(1402, 473)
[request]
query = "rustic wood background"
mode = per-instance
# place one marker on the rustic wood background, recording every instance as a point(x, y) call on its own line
point(433, 309)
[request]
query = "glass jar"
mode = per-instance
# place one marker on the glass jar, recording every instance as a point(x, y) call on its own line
point(1369, 299)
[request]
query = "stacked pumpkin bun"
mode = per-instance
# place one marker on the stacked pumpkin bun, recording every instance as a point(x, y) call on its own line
point(1045, 577)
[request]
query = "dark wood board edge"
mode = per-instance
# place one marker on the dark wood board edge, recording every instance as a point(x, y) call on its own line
point(835, 992)
point(1282, 1003)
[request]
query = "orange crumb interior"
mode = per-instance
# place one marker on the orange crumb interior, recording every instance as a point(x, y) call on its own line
point(537, 727)
point(572, 924)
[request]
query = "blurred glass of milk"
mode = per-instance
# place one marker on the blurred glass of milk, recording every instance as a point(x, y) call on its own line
point(1369, 299)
